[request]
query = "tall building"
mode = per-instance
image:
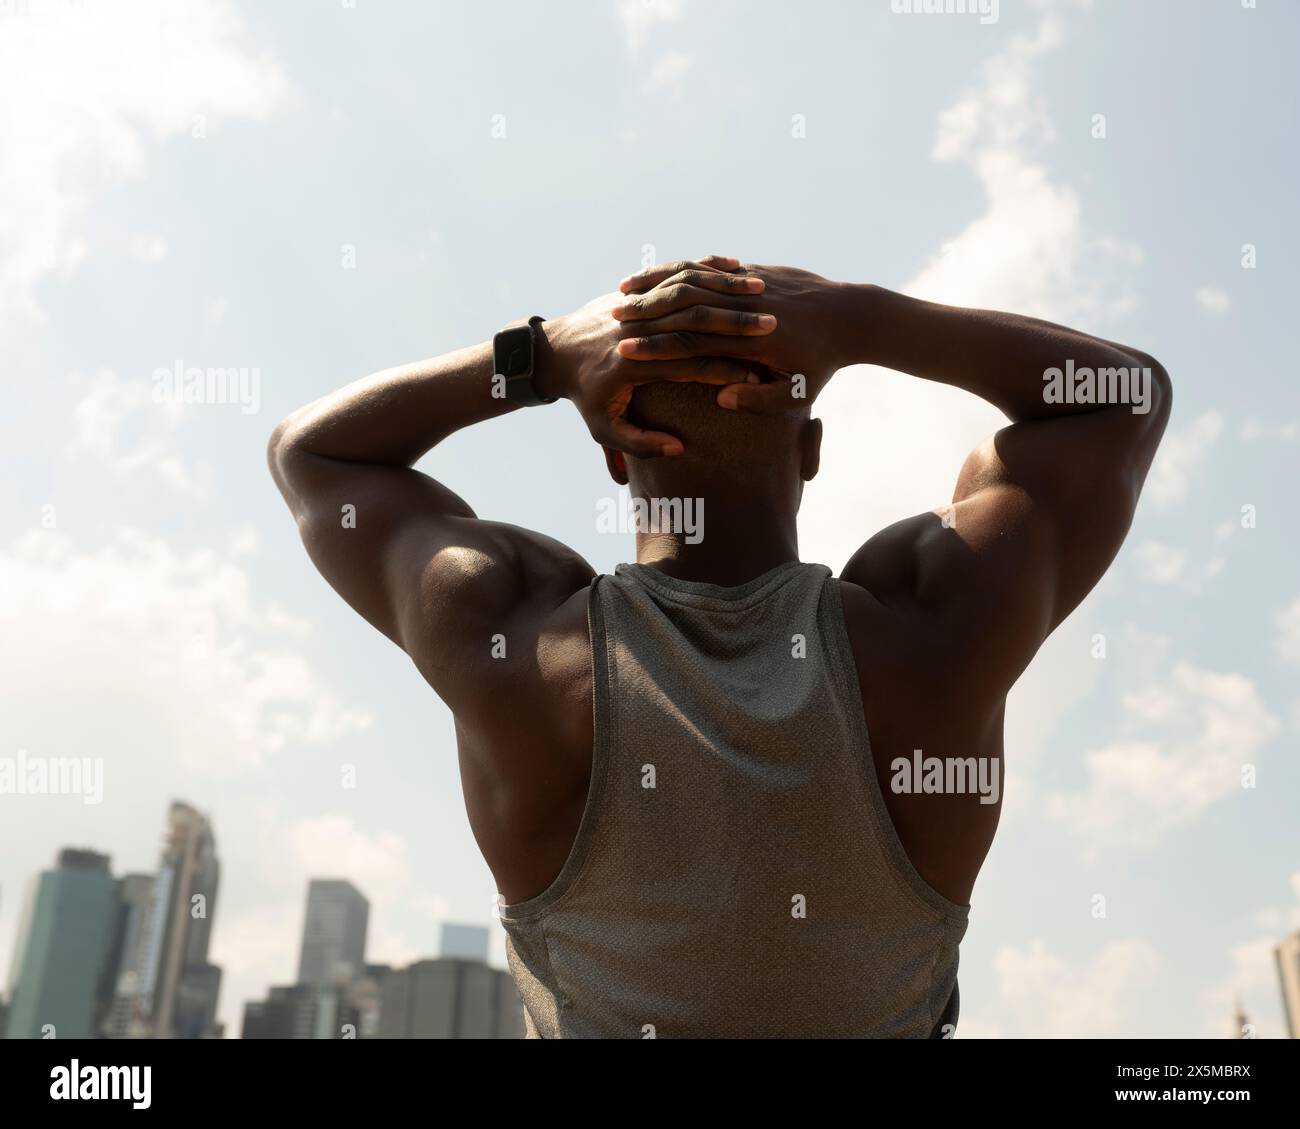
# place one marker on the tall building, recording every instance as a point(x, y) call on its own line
point(450, 999)
point(334, 933)
point(1288, 972)
point(135, 892)
point(465, 942)
point(311, 1011)
point(63, 949)
point(175, 990)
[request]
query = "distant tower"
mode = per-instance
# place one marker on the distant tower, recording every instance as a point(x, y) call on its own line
point(135, 893)
point(333, 934)
point(177, 990)
point(63, 947)
point(1288, 972)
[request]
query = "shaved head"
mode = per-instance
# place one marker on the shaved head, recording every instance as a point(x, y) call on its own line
point(714, 436)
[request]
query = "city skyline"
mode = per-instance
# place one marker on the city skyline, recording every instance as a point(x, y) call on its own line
point(100, 956)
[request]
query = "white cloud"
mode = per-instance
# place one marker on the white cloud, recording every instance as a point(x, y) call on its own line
point(640, 16)
point(330, 845)
point(82, 87)
point(1159, 563)
point(1181, 453)
point(1212, 299)
point(1187, 740)
point(1050, 996)
point(1287, 622)
point(117, 421)
point(171, 645)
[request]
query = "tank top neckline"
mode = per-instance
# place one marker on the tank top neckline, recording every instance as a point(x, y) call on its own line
point(700, 593)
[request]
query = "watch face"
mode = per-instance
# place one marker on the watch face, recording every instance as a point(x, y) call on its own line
point(514, 351)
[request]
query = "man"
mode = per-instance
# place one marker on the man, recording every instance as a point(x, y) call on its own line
point(691, 779)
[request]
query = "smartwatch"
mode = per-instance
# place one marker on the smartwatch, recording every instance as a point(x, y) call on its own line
point(513, 353)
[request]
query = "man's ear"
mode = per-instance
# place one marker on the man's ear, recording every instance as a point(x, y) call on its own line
point(810, 449)
point(617, 465)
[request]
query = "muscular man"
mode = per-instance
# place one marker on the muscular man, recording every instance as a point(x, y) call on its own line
point(686, 776)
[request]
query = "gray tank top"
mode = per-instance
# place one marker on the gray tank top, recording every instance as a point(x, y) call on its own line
point(735, 872)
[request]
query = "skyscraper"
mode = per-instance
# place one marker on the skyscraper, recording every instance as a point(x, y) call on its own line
point(1288, 972)
point(334, 933)
point(59, 977)
point(176, 990)
point(135, 892)
point(450, 999)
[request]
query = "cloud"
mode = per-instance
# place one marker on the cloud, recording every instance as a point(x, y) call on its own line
point(1050, 996)
point(117, 421)
point(169, 643)
point(1212, 299)
point(1181, 453)
point(1159, 563)
point(1187, 740)
point(1287, 622)
point(639, 17)
point(82, 88)
point(1025, 252)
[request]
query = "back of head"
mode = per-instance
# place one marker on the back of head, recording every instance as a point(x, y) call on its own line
point(717, 440)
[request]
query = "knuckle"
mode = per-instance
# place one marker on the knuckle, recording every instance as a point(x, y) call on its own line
point(699, 315)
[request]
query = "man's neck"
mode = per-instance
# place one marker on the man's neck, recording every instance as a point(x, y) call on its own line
point(733, 543)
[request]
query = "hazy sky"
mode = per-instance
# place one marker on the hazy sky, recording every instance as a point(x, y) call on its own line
point(318, 190)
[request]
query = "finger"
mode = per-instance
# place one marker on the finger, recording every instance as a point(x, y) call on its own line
point(652, 276)
point(706, 319)
point(721, 371)
point(684, 343)
point(772, 398)
point(629, 438)
point(689, 288)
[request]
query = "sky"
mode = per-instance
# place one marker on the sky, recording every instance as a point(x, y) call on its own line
point(314, 191)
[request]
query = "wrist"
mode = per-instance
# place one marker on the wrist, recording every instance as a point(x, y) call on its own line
point(855, 333)
point(550, 374)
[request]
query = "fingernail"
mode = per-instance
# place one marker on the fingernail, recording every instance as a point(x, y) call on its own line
point(618, 311)
point(728, 398)
point(766, 321)
point(752, 378)
point(626, 348)
point(754, 284)
point(669, 450)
